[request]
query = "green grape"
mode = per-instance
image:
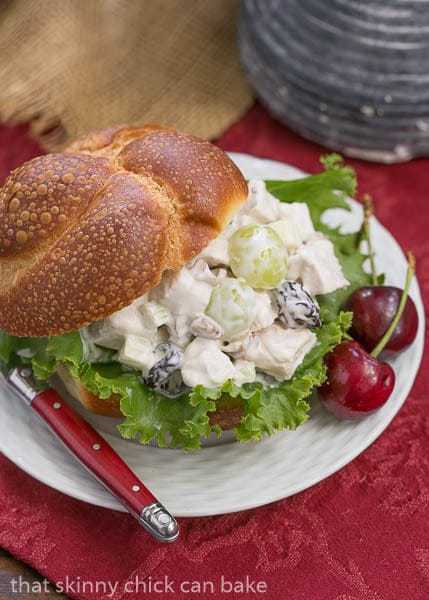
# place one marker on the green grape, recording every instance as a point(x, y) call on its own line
point(258, 255)
point(232, 305)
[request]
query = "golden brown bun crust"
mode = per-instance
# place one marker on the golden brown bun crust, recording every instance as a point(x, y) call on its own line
point(85, 232)
point(226, 417)
point(107, 408)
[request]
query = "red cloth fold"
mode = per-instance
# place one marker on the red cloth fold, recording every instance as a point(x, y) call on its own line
point(362, 534)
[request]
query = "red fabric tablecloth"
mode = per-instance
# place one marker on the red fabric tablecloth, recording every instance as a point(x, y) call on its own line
point(362, 534)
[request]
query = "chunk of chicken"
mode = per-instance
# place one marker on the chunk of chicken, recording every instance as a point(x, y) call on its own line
point(261, 206)
point(287, 233)
point(206, 327)
point(295, 228)
point(112, 332)
point(130, 320)
point(200, 270)
point(216, 253)
point(277, 351)
point(297, 215)
point(179, 330)
point(182, 293)
point(184, 296)
point(266, 314)
point(205, 364)
point(316, 265)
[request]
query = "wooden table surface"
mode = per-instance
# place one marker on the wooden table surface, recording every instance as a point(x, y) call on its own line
point(11, 569)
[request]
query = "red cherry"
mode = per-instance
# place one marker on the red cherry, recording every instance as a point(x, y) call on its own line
point(357, 384)
point(374, 309)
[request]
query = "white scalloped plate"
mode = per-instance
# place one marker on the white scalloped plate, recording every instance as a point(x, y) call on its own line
point(230, 476)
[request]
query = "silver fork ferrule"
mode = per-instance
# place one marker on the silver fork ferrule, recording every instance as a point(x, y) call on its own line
point(159, 522)
point(21, 380)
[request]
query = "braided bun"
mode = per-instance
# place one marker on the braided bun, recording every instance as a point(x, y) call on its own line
point(85, 232)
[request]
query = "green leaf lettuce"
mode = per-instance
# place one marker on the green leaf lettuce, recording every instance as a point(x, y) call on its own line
point(326, 190)
point(182, 422)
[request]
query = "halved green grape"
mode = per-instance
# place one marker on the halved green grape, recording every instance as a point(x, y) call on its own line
point(232, 305)
point(258, 255)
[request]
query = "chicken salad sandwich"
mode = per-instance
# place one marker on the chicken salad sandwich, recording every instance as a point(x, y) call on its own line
point(143, 270)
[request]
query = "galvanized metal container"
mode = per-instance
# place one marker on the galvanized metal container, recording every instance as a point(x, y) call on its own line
point(350, 74)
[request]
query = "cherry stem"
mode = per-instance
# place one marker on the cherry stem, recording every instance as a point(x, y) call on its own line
point(368, 212)
point(386, 337)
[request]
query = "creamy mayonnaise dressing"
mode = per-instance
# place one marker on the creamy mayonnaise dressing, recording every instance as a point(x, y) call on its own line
point(215, 328)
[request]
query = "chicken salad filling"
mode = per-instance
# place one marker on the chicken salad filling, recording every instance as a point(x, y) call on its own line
point(242, 310)
point(255, 299)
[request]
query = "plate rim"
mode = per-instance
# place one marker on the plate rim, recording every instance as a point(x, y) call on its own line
point(109, 502)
